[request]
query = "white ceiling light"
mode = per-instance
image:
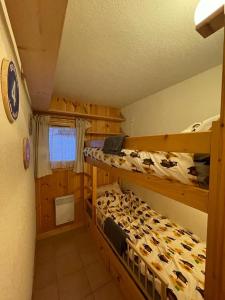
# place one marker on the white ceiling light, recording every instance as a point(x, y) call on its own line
point(206, 8)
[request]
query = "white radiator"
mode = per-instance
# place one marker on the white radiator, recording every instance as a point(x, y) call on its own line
point(64, 209)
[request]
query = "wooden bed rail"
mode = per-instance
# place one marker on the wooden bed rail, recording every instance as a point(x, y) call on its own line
point(94, 191)
point(186, 194)
point(197, 142)
point(126, 259)
point(212, 23)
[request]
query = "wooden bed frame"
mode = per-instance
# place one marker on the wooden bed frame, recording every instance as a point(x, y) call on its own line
point(184, 143)
point(195, 197)
point(211, 201)
point(129, 264)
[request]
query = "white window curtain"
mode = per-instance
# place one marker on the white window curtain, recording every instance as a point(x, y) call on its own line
point(42, 162)
point(81, 126)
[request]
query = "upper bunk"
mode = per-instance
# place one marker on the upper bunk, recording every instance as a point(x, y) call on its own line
point(182, 143)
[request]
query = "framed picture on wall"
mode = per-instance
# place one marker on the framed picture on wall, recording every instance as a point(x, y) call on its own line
point(26, 153)
point(10, 89)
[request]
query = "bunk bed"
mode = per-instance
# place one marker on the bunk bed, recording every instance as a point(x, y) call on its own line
point(209, 200)
point(134, 259)
point(185, 143)
point(150, 280)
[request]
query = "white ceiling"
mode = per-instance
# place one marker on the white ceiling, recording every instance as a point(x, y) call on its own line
point(114, 52)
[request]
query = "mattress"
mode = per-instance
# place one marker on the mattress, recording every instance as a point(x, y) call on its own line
point(179, 167)
point(174, 252)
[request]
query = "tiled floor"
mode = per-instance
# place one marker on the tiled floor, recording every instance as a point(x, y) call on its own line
point(68, 267)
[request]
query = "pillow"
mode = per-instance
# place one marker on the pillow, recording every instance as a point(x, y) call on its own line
point(193, 127)
point(207, 124)
point(202, 126)
point(113, 188)
point(113, 144)
point(108, 201)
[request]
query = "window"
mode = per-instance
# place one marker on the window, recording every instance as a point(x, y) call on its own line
point(62, 146)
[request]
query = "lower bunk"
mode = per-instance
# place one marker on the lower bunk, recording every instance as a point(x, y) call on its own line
point(116, 268)
point(165, 260)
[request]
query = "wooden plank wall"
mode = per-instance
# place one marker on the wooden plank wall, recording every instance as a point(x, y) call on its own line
point(98, 127)
point(64, 182)
point(60, 183)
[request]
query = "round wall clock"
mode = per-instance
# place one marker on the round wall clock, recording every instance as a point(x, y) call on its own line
point(26, 153)
point(10, 89)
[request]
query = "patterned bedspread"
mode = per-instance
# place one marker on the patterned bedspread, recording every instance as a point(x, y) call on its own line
point(176, 253)
point(182, 167)
point(173, 166)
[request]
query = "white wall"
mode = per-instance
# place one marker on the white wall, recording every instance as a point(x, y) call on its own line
point(169, 111)
point(17, 195)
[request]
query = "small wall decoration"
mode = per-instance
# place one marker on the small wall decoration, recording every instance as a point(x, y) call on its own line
point(10, 89)
point(26, 153)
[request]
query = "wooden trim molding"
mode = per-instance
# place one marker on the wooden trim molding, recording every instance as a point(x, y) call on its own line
point(197, 142)
point(60, 229)
point(212, 23)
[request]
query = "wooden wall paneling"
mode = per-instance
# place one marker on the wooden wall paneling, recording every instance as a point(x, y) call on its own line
point(106, 127)
point(75, 186)
point(69, 106)
point(58, 184)
point(105, 177)
point(63, 182)
point(46, 213)
point(58, 104)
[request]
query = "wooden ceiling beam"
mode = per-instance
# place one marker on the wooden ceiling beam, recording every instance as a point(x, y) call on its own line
point(37, 26)
point(213, 23)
